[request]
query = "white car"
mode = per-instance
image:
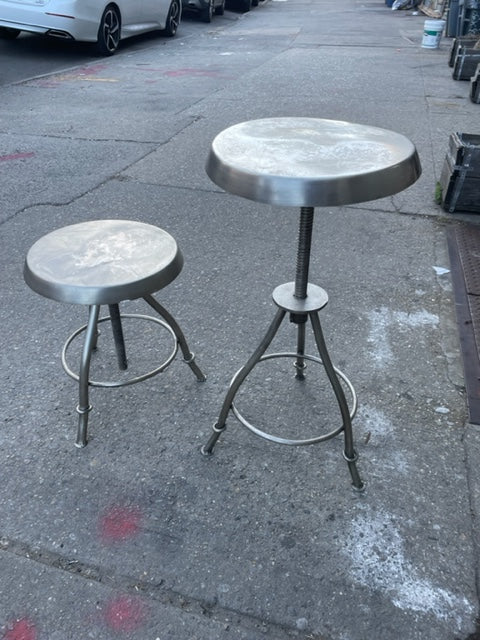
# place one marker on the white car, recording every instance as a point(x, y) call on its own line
point(100, 21)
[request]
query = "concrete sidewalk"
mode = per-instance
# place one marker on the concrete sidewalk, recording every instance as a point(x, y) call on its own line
point(138, 536)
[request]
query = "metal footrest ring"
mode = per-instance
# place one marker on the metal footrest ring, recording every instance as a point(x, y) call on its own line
point(121, 383)
point(290, 441)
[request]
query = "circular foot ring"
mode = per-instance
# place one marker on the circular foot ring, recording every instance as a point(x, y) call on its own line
point(290, 441)
point(145, 376)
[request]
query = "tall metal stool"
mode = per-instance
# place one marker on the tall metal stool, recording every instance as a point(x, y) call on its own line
point(307, 162)
point(104, 262)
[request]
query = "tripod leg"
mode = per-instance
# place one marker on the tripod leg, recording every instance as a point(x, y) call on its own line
point(84, 407)
point(188, 356)
point(118, 336)
point(220, 425)
point(95, 337)
point(350, 454)
point(300, 365)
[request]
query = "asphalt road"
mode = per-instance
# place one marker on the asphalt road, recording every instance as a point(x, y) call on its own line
point(29, 56)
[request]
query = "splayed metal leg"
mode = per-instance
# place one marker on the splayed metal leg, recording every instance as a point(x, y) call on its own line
point(188, 356)
point(239, 377)
point(118, 336)
point(299, 364)
point(84, 406)
point(350, 454)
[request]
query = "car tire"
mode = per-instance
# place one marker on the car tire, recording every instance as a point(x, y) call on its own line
point(245, 5)
point(206, 14)
point(109, 31)
point(220, 10)
point(173, 19)
point(6, 33)
point(255, 3)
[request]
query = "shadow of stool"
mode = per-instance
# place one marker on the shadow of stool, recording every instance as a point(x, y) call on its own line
point(105, 262)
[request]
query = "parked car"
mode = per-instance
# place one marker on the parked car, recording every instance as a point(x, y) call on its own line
point(205, 8)
point(98, 21)
point(242, 5)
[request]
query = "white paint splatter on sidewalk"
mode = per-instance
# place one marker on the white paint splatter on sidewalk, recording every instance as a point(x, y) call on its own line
point(379, 430)
point(383, 321)
point(374, 421)
point(377, 553)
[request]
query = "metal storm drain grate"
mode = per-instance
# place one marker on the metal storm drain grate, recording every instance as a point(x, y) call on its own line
point(464, 250)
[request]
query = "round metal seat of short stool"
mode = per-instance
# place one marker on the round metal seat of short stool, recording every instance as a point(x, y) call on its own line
point(102, 262)
point(311, 162)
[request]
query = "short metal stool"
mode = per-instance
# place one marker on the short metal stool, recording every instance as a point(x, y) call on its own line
point(307, 162)
point(105, 262)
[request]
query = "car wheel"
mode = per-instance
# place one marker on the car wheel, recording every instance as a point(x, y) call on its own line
point(255, 3)
point(245, 5)
point(173, 19)
point(109, 31)
point(8, 34)
point(220, 10)
point(207, 13)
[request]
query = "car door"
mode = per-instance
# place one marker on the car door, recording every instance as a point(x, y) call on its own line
point(133, 12)
point(156, 10)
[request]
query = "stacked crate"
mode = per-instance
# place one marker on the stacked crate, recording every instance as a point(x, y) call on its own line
point(460, 179)
point(475, 86)
point(465, 59)
point(468, 41)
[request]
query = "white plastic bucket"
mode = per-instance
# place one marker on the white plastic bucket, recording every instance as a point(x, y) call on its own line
point(432, 33)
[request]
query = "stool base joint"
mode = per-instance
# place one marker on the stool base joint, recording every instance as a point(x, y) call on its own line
point(354, 458)
point(207, 449)
point(218, 429)
point(361, 488)
point(357, 483)
point(298, 318)
point(205, 452)
point(201, 377)
point(82, 411)
point(300, 368)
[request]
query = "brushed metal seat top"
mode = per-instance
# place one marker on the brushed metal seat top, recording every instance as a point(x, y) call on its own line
point(102, 262)
point(308, 162)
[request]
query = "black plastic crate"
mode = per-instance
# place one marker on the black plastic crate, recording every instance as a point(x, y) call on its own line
point(466, 62)
point(460, 178)
point(475, 86)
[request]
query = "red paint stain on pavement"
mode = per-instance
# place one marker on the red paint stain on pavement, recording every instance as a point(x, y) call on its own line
point(21, 630)
point(177, 73)
point(124, 613)
point(149, 69)
point(119, 523)
point(17, 156)
point(91, 70)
